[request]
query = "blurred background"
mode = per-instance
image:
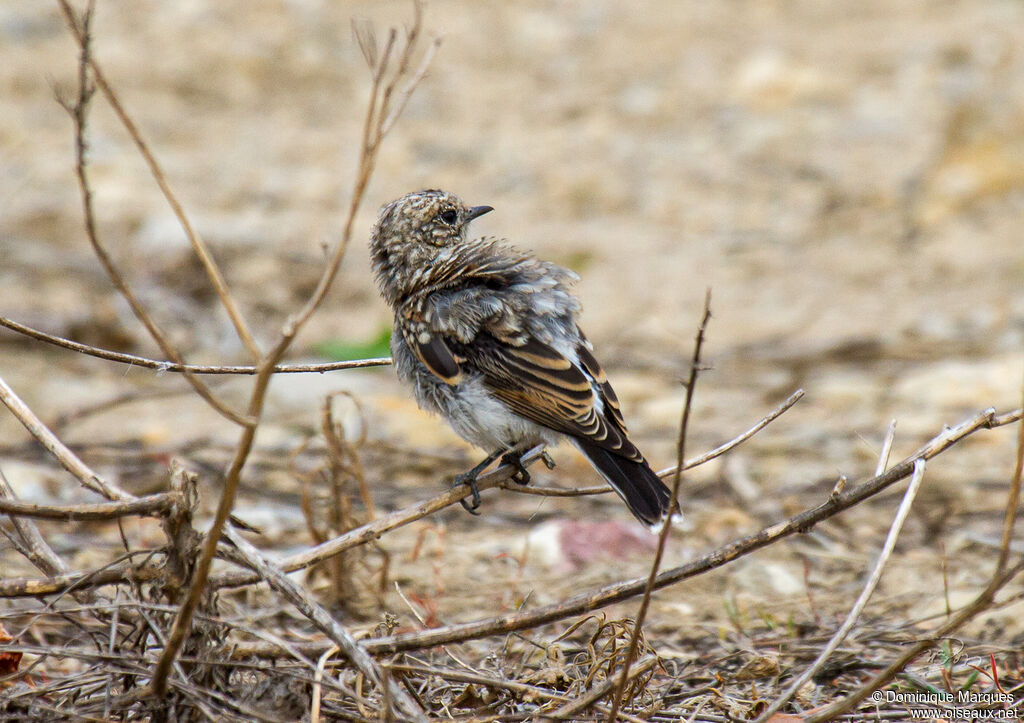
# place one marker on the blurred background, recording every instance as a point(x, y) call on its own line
point(847, 178)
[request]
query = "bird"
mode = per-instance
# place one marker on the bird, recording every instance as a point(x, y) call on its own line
point(488, 338)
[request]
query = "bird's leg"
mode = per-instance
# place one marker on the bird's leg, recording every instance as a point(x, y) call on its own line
point(469, 478)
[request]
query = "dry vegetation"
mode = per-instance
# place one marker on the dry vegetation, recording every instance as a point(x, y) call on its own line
point(149, 578)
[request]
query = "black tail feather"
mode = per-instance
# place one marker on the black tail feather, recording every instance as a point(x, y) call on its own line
point(636, 483)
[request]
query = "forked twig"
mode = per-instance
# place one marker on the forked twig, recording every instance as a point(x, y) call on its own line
point(666, 525)
point(737, 441)
point(1000, 577)
point(865, 595)
point(721, 449)
point(373, 134)
point(81, 33)
point(79, 114)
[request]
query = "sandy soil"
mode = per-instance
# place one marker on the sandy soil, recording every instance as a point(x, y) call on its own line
point(847, 179)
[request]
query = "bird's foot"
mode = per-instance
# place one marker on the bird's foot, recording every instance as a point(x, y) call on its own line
point(521, 476)
point(468, 478)
point(547, 460)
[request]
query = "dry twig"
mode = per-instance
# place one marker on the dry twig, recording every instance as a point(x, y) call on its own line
point(677, 476)
point(373, 133)
point(80, 30)
point(865, 595)
point(78, 110)
point(737, 441)
point(985, 599)
point(169, 366)
point(152, 506)
point(324, 622)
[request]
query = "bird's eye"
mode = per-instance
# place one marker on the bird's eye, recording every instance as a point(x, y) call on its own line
point(449, 217)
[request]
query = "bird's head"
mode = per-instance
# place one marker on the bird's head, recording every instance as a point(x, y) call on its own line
point(412, 230)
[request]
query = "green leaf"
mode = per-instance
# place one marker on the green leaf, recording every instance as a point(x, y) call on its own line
point(345, 350)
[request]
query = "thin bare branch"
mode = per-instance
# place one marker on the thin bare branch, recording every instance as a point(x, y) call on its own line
point(634, 638)
point(68, 459)
point(79, 113)
point(367, 161)
point(862, 600)
point(541, 491)
point(593, 600)
point(301, 599)
point(65, 582)
point(737, 441)
point(314, 707)
point(883, 457)
point(81, 33)
point(403, 99)
point(169, 366)
point(1013, 501)
point(39, 552)
point(153, 506)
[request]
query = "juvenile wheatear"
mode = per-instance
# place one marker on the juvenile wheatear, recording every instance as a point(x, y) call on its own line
point(487, 336)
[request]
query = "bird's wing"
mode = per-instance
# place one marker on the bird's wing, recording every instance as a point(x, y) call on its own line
point(568, 394)
point(571, 396)
point(430, 348)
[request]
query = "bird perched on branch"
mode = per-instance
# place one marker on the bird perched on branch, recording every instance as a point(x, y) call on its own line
point(487, 336)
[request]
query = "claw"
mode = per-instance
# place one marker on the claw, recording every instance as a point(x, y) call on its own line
point(547, 460)
point(521, 476)
point(469, 479)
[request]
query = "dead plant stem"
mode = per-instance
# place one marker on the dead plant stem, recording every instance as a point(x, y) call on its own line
point(373, 134)
point(666, 526)
point(79, 113)
point(81, 33)
point(169, 366)
point(865, 595)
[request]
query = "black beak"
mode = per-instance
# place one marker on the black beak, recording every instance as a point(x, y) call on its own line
point(477, 211)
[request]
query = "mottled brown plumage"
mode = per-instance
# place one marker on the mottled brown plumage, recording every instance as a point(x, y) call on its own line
point(487, 335)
